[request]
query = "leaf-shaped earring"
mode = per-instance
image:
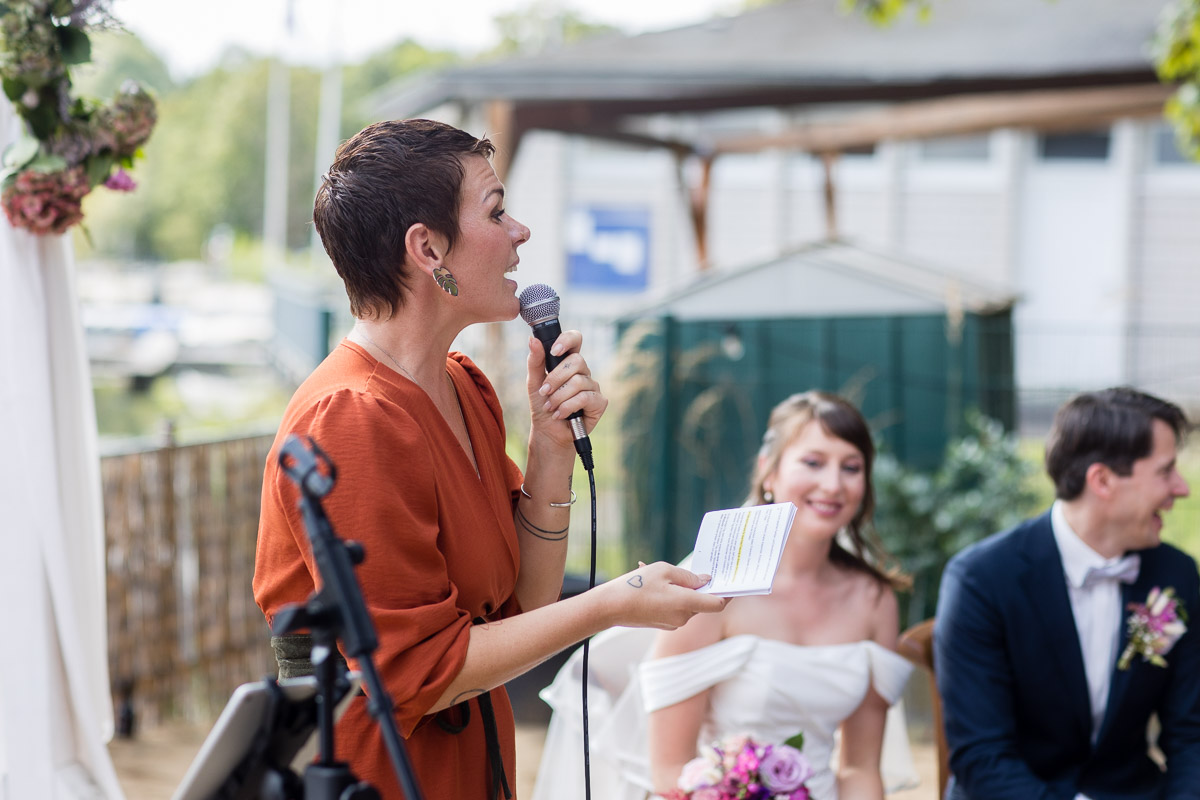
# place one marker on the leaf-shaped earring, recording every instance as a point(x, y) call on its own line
point(446, 281)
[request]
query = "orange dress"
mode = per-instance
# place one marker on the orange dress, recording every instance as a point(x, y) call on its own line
point(441, 551)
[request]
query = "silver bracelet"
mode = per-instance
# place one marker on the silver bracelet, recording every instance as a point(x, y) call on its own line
point(567, 504)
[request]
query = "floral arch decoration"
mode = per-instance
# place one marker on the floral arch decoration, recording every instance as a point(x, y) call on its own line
point(70, 144)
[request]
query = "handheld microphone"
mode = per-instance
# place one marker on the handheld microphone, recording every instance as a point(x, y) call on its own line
point(539, 309)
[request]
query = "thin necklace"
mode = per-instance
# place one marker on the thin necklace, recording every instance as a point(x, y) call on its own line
point(379, 347)
point(458, 405)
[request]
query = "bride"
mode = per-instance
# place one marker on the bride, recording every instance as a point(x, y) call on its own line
point(815, 656)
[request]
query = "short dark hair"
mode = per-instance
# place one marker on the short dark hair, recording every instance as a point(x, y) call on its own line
point(386, 178)
point(1114, 427)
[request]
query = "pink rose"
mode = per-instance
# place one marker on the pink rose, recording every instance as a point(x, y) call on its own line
point(698, 773)
point(784, 769)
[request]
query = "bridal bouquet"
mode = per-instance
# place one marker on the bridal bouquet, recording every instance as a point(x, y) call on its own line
point(739, 768)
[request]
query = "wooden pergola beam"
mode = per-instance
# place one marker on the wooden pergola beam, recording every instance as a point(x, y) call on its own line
point(505, 132)
point(698, 196)
point(959, 115)
point(1058, 109)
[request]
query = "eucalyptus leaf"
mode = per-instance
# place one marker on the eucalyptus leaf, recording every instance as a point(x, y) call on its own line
point(98, 168)
point(13, 89)
point(20, 152)
point(43, 120)
point(796, 741)
point(76, 47)
point(62, 8)
point(47, 164)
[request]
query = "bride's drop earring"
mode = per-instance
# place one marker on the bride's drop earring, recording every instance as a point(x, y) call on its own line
point(446, 281)
point(768, 496)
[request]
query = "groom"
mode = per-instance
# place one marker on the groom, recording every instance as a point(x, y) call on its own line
point(1032, 624)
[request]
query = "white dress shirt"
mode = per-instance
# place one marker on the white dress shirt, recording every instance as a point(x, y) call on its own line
point(1097, 610)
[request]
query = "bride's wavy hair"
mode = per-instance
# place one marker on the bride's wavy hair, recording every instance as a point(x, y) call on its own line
point(857, 547)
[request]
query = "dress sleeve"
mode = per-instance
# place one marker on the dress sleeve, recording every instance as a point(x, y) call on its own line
point(670, 680)
point(889, 673)
point(384, 498)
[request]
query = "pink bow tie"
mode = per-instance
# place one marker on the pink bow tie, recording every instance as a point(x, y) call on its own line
point(1124, 570)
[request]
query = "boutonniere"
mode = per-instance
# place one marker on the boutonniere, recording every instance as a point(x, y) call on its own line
point(1154, 627)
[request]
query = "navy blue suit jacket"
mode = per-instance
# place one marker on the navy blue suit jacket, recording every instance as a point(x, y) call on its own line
point(1010, 672)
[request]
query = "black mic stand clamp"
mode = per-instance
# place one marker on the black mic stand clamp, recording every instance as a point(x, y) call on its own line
point(337, 611)
point(326, 778)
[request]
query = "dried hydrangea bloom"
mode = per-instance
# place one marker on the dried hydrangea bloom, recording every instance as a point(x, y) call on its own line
point(46, 202)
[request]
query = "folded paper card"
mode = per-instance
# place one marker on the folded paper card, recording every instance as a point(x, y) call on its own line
point(741, 548)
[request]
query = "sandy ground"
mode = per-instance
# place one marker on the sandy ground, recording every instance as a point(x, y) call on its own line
point(151, 766)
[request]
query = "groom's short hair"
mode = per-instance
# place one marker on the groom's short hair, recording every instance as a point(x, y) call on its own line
point(1113, 427)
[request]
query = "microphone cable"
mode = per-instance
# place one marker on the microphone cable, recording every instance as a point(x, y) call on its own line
point(587, 753)
point(539, 309)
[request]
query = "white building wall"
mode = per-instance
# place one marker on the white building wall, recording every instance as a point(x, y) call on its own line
point(953, 213)
point(805, 217)
point(1166, 353)
point(1104, 255)
point(861, 198)
point(744, 216)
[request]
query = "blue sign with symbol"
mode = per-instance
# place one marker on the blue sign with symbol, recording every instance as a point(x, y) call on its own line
point(608, 248)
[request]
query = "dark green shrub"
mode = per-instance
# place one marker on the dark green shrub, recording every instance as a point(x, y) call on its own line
point(982, 486)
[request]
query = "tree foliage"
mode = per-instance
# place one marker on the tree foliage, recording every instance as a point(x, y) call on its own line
point(883, 12)
point(540, 26)
point(118, 56)
point(1177, 59)
point(204, 166)
point(982, 486)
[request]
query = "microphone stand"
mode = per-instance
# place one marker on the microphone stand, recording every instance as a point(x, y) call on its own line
point(337, 611)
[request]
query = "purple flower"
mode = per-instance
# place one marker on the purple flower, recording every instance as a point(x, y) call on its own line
point(120, 181)
point(784, 769)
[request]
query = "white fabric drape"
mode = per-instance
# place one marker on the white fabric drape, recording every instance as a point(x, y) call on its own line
point(55, 705)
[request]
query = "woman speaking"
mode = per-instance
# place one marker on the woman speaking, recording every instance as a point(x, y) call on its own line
point(464, 553)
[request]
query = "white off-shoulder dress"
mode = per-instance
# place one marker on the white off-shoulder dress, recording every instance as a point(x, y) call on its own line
point(768, 689)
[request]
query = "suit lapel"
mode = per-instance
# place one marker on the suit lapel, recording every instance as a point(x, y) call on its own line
point(1046, 586)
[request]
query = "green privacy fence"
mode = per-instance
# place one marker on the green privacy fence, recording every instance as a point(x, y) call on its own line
point(695, 395)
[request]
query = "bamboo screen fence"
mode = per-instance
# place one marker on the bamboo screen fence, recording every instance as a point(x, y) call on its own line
point(180, 527)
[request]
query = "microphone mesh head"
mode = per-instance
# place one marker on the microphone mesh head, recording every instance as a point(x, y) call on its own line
point(538, 304)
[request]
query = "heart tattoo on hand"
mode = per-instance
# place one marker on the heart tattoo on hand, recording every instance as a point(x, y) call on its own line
point(636, 581)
